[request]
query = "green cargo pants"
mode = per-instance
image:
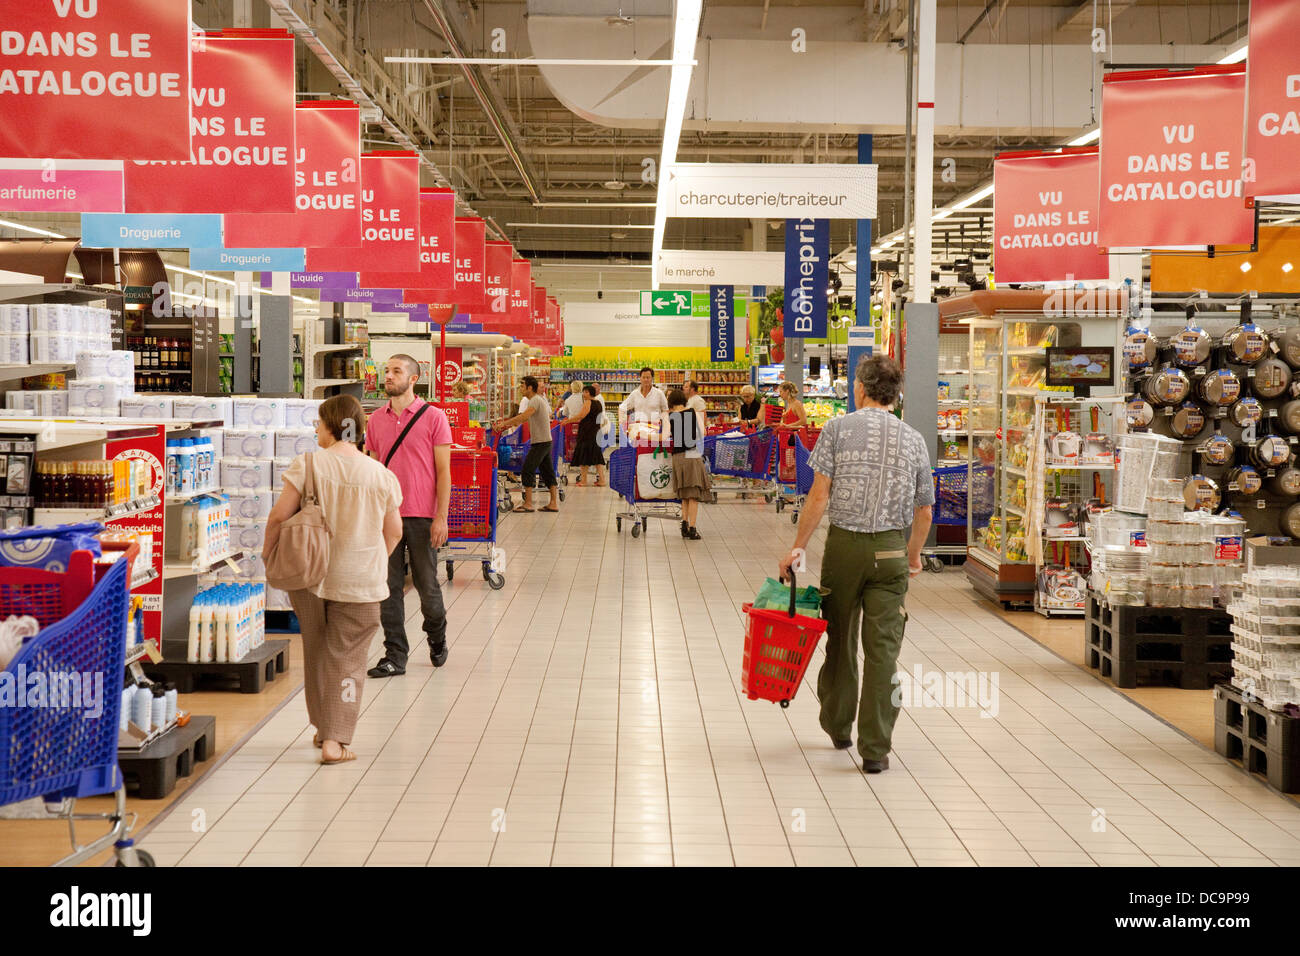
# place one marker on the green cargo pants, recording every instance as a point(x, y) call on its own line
point(866, 575)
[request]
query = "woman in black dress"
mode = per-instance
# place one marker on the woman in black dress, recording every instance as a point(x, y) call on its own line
point(586, 450)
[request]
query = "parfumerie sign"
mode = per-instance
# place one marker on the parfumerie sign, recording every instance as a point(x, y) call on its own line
point(772, 190)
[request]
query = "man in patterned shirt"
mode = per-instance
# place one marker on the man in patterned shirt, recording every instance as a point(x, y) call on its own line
point(873, 479)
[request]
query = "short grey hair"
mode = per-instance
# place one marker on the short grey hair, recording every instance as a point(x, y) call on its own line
point(881, 378)
point(412, 366)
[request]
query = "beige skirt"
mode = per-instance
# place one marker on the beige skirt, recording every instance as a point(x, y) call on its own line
point(691, 478)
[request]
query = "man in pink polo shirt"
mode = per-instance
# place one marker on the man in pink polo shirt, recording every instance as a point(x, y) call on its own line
point(413, 439)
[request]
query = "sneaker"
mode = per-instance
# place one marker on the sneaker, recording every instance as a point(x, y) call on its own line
point(385, 668)
point(438, 654)
point(875, 766)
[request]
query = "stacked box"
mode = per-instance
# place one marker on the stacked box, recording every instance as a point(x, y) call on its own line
point(147, 407)
point(290, 443)
point(1266, 636)
point(196, 409)
point(268, 413)
point(249, 506)
point(248, 443)
point(246, 474)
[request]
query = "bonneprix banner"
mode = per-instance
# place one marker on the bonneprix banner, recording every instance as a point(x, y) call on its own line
point(241, 142)
point(772, 190)
point(1273, 100)
point(1045, 217)
point(685, 267)
point(95, 79)
point(390, 218)
point(721, 312)
point(807, 277)
point(1171, 160)
point(327, 186)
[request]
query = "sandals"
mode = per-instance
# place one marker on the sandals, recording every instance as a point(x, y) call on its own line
point(344, 757)
point(316, 741)
point(522, 510)
point(552, 510)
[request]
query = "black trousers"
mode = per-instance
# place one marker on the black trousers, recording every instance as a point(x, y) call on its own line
point(538, 464)
point(424, 575)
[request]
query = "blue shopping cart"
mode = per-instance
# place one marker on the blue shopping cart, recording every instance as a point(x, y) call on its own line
point(622, 479)
point(957, 490)
point(737, 454)
point(789, 487)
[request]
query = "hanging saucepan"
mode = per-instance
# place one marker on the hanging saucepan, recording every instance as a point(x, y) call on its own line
point(1290, 520)
point(1200, 493)
point(1289, 415)
point(1187, 421)
point(1245, 480)
point(1192, 346)
point(1169, 386)
point(1272, 376)
point(1289, 346)
point(1219, 387)
point(1286, 482)
point(1139, 413)
point(1218, 450)
point(1139, 348)
point(1271, 451)
point(1247, 411)
point(1246, 344)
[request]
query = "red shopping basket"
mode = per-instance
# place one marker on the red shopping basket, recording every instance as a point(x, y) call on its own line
point(786, 470)
point(473, 494)
point(772, 414)
point(778, 647)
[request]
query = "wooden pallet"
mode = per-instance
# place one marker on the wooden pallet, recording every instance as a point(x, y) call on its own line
point(251, 674)
point(150, 773)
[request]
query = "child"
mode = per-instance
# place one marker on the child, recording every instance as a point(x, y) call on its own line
point(690, 477)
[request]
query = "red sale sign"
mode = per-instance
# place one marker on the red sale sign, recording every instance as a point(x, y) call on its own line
point(539, 313)
point(241, 133)
point(521, 296)
point(1045, 217)
point(437, 242)
point(81, 81)
point(390, 218)
point(1171, 159)
point(327, 186)
point(467, 291)
point(1273, 100)
point(496, 315)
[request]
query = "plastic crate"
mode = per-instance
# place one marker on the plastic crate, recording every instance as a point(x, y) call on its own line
point(471, 515)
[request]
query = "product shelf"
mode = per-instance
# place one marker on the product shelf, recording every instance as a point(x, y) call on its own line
point(176, 568)
point(11, 373)
point(49, 516)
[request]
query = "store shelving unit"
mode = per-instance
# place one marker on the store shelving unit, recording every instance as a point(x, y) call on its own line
point(317, 382)
point(719, 387)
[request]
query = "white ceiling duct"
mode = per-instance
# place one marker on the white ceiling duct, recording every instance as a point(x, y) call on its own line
point(474, 340)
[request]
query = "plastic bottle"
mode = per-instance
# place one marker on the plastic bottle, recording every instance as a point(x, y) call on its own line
point(203, 447)
point(158, 708)
point(202, 507)
point(173, 467)
point(128, 697)
point(173, 701)
point(232, 624)
point(186, 542)
point(205, 629)
point(192, 642)
point(185, 466)
point(221, 642)
point(142, 707)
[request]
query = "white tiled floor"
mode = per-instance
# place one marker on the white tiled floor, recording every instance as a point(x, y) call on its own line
point(590, 715)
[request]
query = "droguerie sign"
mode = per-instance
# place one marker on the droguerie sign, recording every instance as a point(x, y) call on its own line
point(1273, 100)
point(1045, 217)
point(327, 186)
point(95, 79)
point(241, 134)
point(390, 218)
point(1171, 160)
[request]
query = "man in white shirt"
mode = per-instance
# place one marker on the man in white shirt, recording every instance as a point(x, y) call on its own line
point(573, 403)
point(695, 402)
point(646, 404)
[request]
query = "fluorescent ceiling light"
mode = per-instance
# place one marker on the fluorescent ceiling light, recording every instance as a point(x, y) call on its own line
point(1235, 56)
point(973, 198)
point(529, 61)
point(1245, 267)
point(1287, 267)
point(593, 205)
point(1089, 137)
point(685, 29)
point(32, 229)
point(578, 225)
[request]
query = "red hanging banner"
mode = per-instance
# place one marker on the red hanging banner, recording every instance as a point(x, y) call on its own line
point(1171, 159)
point(521, 297)
point(1045, 217)
point(327, 183)
point(1273, 100)
point(470, 255)
point(241, 134)
point(437, 244)
point(390, 219)
point(81, 80)
point(496, 315)
point(539, 315)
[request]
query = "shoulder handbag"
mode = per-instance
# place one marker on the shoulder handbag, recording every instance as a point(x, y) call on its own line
point(301, 555)
point(409, 425)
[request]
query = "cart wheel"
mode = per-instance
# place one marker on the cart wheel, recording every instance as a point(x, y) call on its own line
point(142, 858)
point(451, 570)
point(618, 524)
point(768, 498)
point(933, 564)
point(780, 505)
point(564, 479)
point(496, 580)
point(636, 530)
point(715, 497)
point(785, 703)
point(487, 569)
point(794, 517)
point(561, 494)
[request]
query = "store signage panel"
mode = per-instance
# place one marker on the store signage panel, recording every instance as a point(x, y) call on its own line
point(327, 185)
point(85, 79)
point(1045, 210)
point(667, 303)
point(118, 230)
point(807, 277)
point(249, 260)
point(772, 190)
point(316, 280)
point(415, 311)
point(61, 185)
point(704, 267)
point(1171, 160)
point(151, 451)
point(241, 134)
point(521, 285)
point(437, 246)
point(496, 313)
point(722, 310)
point(374, 296)
point(1273, 101)
point(390, 218)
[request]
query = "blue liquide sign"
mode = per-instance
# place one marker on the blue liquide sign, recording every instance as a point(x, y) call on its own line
point(807, 276)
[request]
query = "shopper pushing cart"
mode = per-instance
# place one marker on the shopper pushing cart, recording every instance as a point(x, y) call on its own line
point(537, 413)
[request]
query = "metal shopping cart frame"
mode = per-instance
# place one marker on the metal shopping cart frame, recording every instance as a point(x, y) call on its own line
point(64, 757)
point(953, 493)
point(781, 491)
point(741, 454)
point(472, 515)
point(622, 479)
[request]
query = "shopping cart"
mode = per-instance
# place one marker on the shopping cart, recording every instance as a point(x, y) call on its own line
point(60, 752)
point(958, 488)
point(564, 435)
point(738, 453)
point(472, 515)
point(790, 474)
point(512, 449)
point(778, 647)
point(622, 478)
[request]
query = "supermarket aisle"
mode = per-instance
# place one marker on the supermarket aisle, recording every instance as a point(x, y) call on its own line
point(589, 714)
